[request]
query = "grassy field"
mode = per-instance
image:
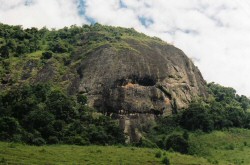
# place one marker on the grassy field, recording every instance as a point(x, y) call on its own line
point(227, 147)
point(219, 147)
point(11, 153)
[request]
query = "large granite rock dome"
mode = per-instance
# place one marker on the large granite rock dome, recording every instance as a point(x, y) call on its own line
point(146, 77)
point(138, 81)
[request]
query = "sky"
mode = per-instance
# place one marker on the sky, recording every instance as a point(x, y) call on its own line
point(215, 34)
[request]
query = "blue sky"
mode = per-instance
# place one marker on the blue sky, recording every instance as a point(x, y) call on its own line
point(215, 34)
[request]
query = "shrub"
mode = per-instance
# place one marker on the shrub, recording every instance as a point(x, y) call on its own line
point(81, 99)
point(158, 154)
point(59, 46)
point(8, 127)
point(53, 140)
point(177, 143)
point(230, 147)
point(197, 117)
point(166, 161)
point(185, 135)
point(78, 140)
point(47, 55)
point(38, 141)
point(146, 143)
point(3, 160)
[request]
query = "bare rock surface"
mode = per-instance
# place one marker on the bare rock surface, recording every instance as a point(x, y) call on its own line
point(152, 78)
point(140, 82)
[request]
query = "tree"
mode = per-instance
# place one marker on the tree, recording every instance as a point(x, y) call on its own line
point(38, 119)
point(47, 55)
point(177, 143)
point(61, 106)
point(8, 127)
point(82, 99)
point(58, 46)
point(197, 117)
point(185, 135)
point(22, 49)
point(4, 52)
point(236, 115)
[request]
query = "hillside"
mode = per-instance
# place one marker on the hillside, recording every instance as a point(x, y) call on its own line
point(124, 74)
point(106, 64)
point(105, 86)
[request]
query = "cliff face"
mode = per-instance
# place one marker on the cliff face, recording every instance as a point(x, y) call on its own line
point(147, 78)
point(138, 82)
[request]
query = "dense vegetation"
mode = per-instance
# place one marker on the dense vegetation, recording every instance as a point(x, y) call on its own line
point(40, 114)
point(222, 111)
point(16, 41)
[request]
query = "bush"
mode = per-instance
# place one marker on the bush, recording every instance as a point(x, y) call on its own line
point(230, 147)
point(8, 127)
point(185, 135)
point(59, 46)
point(166, 161)
point(47, 55)
point(177, 143)
point(197, 117)
point(38, 141)
point(158, 154)
point(146, 143)
point(81, 99)
point(78, 140)
point(53, 140)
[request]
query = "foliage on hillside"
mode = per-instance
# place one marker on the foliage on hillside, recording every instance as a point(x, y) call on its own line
point(41, 115)
point(16, 41)
point(224, 110)
point(41, 55)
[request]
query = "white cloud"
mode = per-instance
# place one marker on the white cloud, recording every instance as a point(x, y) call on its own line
point(39, 13)
point(214, 33)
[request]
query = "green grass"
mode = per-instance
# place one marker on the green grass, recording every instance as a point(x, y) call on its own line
point(219, 147)
point(223, 147)
point(11, 153)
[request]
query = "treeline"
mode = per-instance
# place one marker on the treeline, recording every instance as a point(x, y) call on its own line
point(39, 114)
point(226, 109)
point(16, 41)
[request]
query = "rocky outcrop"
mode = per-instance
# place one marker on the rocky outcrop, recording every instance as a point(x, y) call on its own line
point(153, 78)
point(141, 79)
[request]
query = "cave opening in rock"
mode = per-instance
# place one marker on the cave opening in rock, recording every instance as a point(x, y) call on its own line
point(146, 81)
point(142, 80)
point(135, 79)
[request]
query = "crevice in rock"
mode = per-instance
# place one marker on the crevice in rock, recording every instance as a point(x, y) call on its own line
point(168, 94)
point(79, 72)
point(174, 106)
point(156, 112)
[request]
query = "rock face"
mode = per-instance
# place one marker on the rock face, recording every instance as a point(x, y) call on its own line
point(139, 81)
